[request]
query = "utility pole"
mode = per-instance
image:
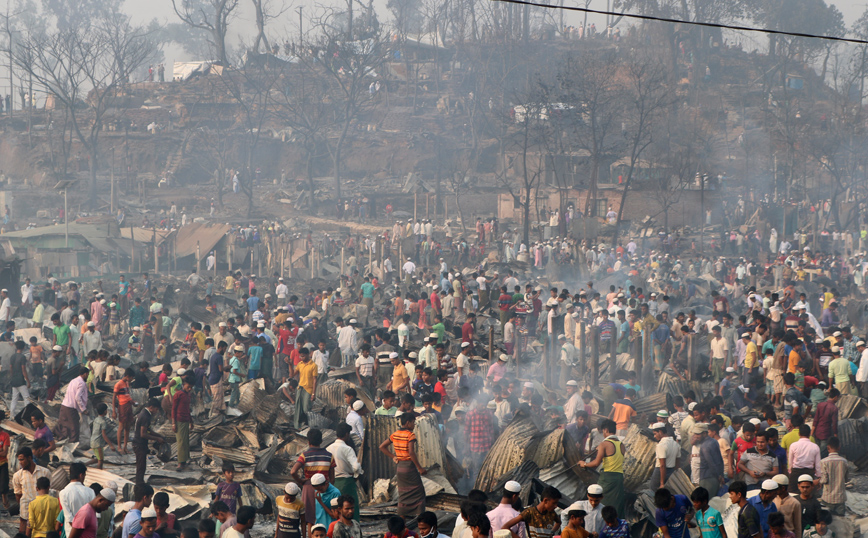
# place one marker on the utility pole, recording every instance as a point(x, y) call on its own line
point(300, 27)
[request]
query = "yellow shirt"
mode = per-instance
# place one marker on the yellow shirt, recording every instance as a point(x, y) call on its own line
point(42, 514)
point(399, 377)
point(230, 283)
point(307, 373)
point(791, 438)
point(750, 358)
point(200, 340)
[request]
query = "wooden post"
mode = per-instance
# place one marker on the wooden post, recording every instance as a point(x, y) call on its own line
point(229, 241)
point(132, 248)
point(156, 252)
point(341, 271)
point(258, 248)
point(415, 204)
point(370, 260)
point(647, 360)
point(445, 210)
point(427, 205)
point(198, 256)
point(583, 367)
point(491, 358)
point(312, 258)
point(595, 356)
point(613, 357)
point(690, 357)
point(289, 270)
point(548, 360)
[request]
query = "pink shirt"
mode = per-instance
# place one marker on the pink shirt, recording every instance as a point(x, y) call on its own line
point(803, 454)
point(76, 395)
point(85, 520)
point(496, 371)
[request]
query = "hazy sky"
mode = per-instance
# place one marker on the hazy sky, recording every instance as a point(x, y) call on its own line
point(288, 23)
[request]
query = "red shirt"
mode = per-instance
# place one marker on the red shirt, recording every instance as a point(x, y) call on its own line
point(435, 301)
point(742, 446)
point(466, 331)
point(439, 389)
point(286, 340)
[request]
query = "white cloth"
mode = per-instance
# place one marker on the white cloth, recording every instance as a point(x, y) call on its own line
point(26, 293)
point(862, 372)
point(573, 405)
point(5, 308)
point(355, 422)
point(593, 517)
point(72, 498)
point(668, 449)
point(346, 463)
point(91, 341)
point(409, 268)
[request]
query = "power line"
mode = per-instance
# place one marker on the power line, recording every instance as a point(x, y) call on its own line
point(694, 23)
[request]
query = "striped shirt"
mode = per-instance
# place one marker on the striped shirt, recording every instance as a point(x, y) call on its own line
point(316, 460)
point(835, 475)
point(401, 440)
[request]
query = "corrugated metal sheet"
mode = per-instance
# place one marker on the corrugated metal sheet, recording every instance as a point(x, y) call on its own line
point(252, 393)
point(378, 428)
point(204, 234)
point(679, 483)
point(653, 403)
point(639, 459)
point(565, 480)
point(508, 452)
point(242, 455)
point(852, 434)
point(524, 474)
point(547, 450)
point(850, 406)
point(672, 385)
point(145, 235)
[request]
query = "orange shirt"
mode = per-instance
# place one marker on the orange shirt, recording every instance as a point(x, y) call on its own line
point(122, 390)
point(622, 415)
point(793, 361)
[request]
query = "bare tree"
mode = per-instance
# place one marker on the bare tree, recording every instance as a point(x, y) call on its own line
point(211, 16)
point(79, 67)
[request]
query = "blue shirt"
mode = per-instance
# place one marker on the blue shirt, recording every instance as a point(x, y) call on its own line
point(255, 354)
point(709, 523)
point(661, 334)
point(252, 304)
point(321, 515)
point(763, 512)
point(673, 518)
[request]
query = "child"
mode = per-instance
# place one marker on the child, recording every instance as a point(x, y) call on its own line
point(161, 349)
point(398, 528)
point(134, 346)
point(166, 524)
point(206, 528)
point(776, 526)
point(229, 492)
point(576, 527)
point(768, 363)
point(148, 524)
point(614, 527)
point(98, 436)
point(388, 407)
point(43, 510)
point(37, 419)
point(37, 358)
point(821, 526)
point(422, 384)
point(114, 319)
point(708, 519)
point(318, 531)
point(290, 512)
point(428, 408)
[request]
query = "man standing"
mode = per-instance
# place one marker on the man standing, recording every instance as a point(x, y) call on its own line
point(667, 457)
point(836, 473)
point(826, 419)
point(305, 394)
point(787, 505)
point(74, 495)
point(610, 454)
point(347, 467)
point(24, 483)
point(143, 435)
point(505, 512)
point(215, 378)
point(719, 353)
point(803, 456)
point(182, 420)
point(90, 340)
point(479, 428)
point(74, 403)
point(85, 523)
point(18, 378)
point(710, 461)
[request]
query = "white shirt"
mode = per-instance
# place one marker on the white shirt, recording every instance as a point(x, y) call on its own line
point(91, 341)
point(72, 498)
point(26, 293)
point(4, 309)
point(355, 423)
point(321, 359)
point(409, 268)
point(347, 338)
point(572, 406)
point(346, 463)
point(482, 283)
point(862, 372)
point(593, 519)
point(668, 449)
point(281, 290)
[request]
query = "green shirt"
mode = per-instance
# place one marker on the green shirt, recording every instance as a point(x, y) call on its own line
point(61, 334)
point(440, 329)
point(367, 290)
point(388, 412)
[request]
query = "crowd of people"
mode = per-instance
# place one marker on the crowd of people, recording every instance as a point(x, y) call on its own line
point(413, 338)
